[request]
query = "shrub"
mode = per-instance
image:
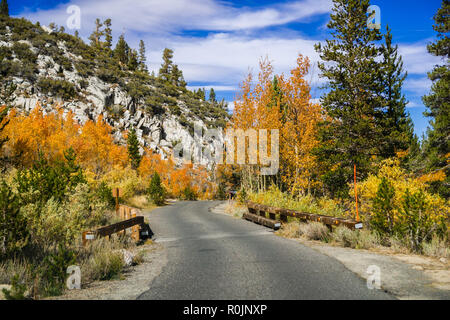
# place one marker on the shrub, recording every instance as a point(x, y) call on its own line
point(156, 191)
point(13, 233)
point(54, 270)
point(392, 195)
point(189, 194)
point(61, 88)
point(50, 181)
point(17, 291)
point(104, 194)
point(356, 239)
point(437, 247)
point(314, 231)
point(242, 195)
point(105, 263)
point(382, 219)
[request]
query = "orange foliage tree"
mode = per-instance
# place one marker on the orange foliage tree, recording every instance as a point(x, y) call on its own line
point(281, 103)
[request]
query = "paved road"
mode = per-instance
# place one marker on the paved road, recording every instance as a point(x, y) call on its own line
point(215, 256)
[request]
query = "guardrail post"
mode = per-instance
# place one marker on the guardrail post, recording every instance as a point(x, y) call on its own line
point(135, 229)
point(87, 236)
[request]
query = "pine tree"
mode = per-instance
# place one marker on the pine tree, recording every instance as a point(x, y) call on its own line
point(156, 191)
point(397, 126)
point(142, 57)
point(4, 10)
point(212, 95)
point(96, 35)
point(133, 60)
point(121, 51)
point(165, 72)
point(382, 219)
point(133, 149)
point(108, 33)
point(437, 144)
point(351, 136)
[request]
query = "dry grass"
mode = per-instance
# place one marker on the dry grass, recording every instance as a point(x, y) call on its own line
point(437, 247)
point(235, 209)
point(356, 239)
point(314, 231)
point(140, 202)
point(290, 230)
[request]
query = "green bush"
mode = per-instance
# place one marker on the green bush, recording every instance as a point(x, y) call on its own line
point(54, 271)
point(104, 193)
point(13, 232)
point(382, 219)
point(156, 191)
point(189, 194)
point(50, 181)
point(61, 88)
point(17, 291)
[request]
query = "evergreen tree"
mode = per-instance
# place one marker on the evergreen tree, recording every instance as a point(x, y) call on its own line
point(212, 95)
point(121, 51)
point(108, 33)
point(156, 191)
point(165, 72)
point(142, 57)
point(397, 126)
point(178, 78)
point(132, 60)
point(133, 149)
point(350, 134)
point(96, 35)
point(382, 219)
point(4, 10)
point(437, 144)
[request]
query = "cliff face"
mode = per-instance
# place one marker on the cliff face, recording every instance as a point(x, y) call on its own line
point(56, 69)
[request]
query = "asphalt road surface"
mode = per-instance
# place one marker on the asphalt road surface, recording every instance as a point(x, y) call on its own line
point(216, 256)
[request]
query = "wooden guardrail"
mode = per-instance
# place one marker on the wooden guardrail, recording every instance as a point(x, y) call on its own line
point(130, 218)
point(257, 210)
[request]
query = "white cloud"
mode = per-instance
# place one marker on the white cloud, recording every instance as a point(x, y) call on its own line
point(419, 86)
point(226, 58)
point(416, 58)
point(157, 16)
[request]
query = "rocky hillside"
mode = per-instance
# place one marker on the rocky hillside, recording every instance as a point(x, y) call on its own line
point(50, 67)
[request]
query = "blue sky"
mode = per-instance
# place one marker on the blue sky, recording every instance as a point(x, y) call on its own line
point(216, 43)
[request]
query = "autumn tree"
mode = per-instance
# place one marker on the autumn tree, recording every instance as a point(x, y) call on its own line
point(437, 143)
point(133, 149)
point(299, 127)
point(351, 134)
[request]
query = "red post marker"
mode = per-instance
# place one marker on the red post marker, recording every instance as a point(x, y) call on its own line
point(356, 193)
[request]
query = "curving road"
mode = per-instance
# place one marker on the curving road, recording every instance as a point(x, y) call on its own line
point(215, 256)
